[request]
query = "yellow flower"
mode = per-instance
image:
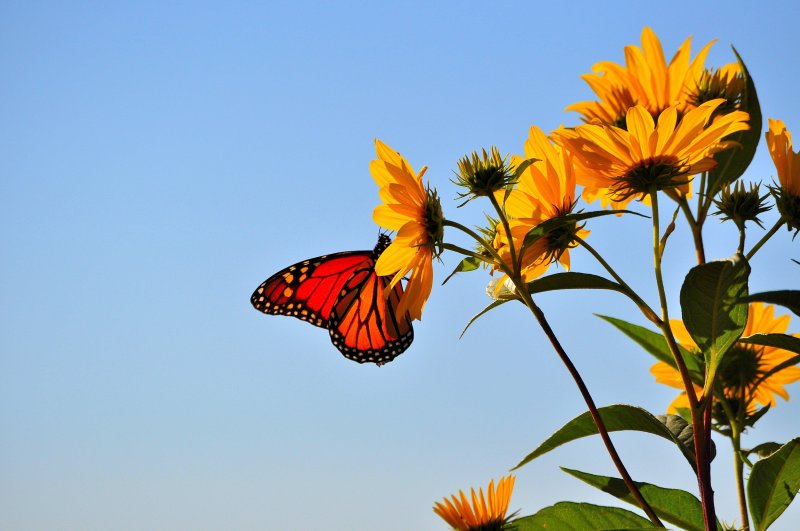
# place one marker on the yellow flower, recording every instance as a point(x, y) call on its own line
point(414, 211)
point(486, 513)
point(617, 164)
point(743, 369)
point(646, 79)
point(787, 162)
point(726, 83)
point(545, 190)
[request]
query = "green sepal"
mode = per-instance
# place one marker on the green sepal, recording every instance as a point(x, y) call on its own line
point(713, 309)
point(469, 263)
point(572, 516)
point(732, 163)
point(655, 344)
point(787, 298)
point(622, 417)
point(675, 506)
point(773, 484)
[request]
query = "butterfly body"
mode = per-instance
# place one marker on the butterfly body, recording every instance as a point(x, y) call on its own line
point(342, 293)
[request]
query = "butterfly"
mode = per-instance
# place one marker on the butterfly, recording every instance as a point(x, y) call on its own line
point(342, 292)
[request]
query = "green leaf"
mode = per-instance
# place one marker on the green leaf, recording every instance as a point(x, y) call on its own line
point(569, 280)
point(492, 306)
point(675, 506)
point(773, 484)
point(782, 341)
point(713, 309)
point(571, 516)
point(732, 163)
point(469, 263)
point(655, 344)
point(552, 224)
point(788, 298)
point(621, 417)
point(764, 449)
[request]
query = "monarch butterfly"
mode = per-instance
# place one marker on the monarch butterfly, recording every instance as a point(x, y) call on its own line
point(342, 292)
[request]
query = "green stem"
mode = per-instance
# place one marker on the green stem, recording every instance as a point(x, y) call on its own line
point(483, 243)
point(701, 416)
point(763, 240)
point(738, 467)
point(643, 306)
point(701, 192)
point(466, 252)
point(666, 329)
point(507, 228)
point(735, 422)
point(696, 228)
point(741, 240)
point(587, 397)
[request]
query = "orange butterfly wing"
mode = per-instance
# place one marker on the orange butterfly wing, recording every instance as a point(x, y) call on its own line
point(364, 325)
point(308, 289)
point(342, 292)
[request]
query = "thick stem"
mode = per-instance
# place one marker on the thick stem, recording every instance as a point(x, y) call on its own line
point(662, 296)
point(587, 397)
point(701, 417)
point(740, 249)
point(697, 231)
point(704, 459)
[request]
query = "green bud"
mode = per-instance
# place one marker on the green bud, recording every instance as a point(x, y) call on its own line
point(740, 204)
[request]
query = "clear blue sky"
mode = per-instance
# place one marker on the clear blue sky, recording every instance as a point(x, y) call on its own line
point(161, 159)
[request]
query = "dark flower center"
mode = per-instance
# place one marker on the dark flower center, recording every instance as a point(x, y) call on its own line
point(654, 174)
point(562, 237)
point(740, 368)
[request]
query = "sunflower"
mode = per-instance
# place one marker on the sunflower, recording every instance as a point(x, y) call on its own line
point(743, 372)
point(787, 163)
point(646, 79)
point(485, 514)
point(617, 164)
point(414, 211)
point(545, 190)
point(726, 83)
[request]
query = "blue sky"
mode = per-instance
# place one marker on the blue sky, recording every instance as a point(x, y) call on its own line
point(161, 159)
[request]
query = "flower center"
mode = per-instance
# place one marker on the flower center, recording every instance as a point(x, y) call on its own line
point(434, 219)
point(563, 237)
point(712, 86)
point(740, 368)
point(653, 174)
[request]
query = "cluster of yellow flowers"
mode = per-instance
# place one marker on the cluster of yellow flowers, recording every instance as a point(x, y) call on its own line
point(653, 126)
